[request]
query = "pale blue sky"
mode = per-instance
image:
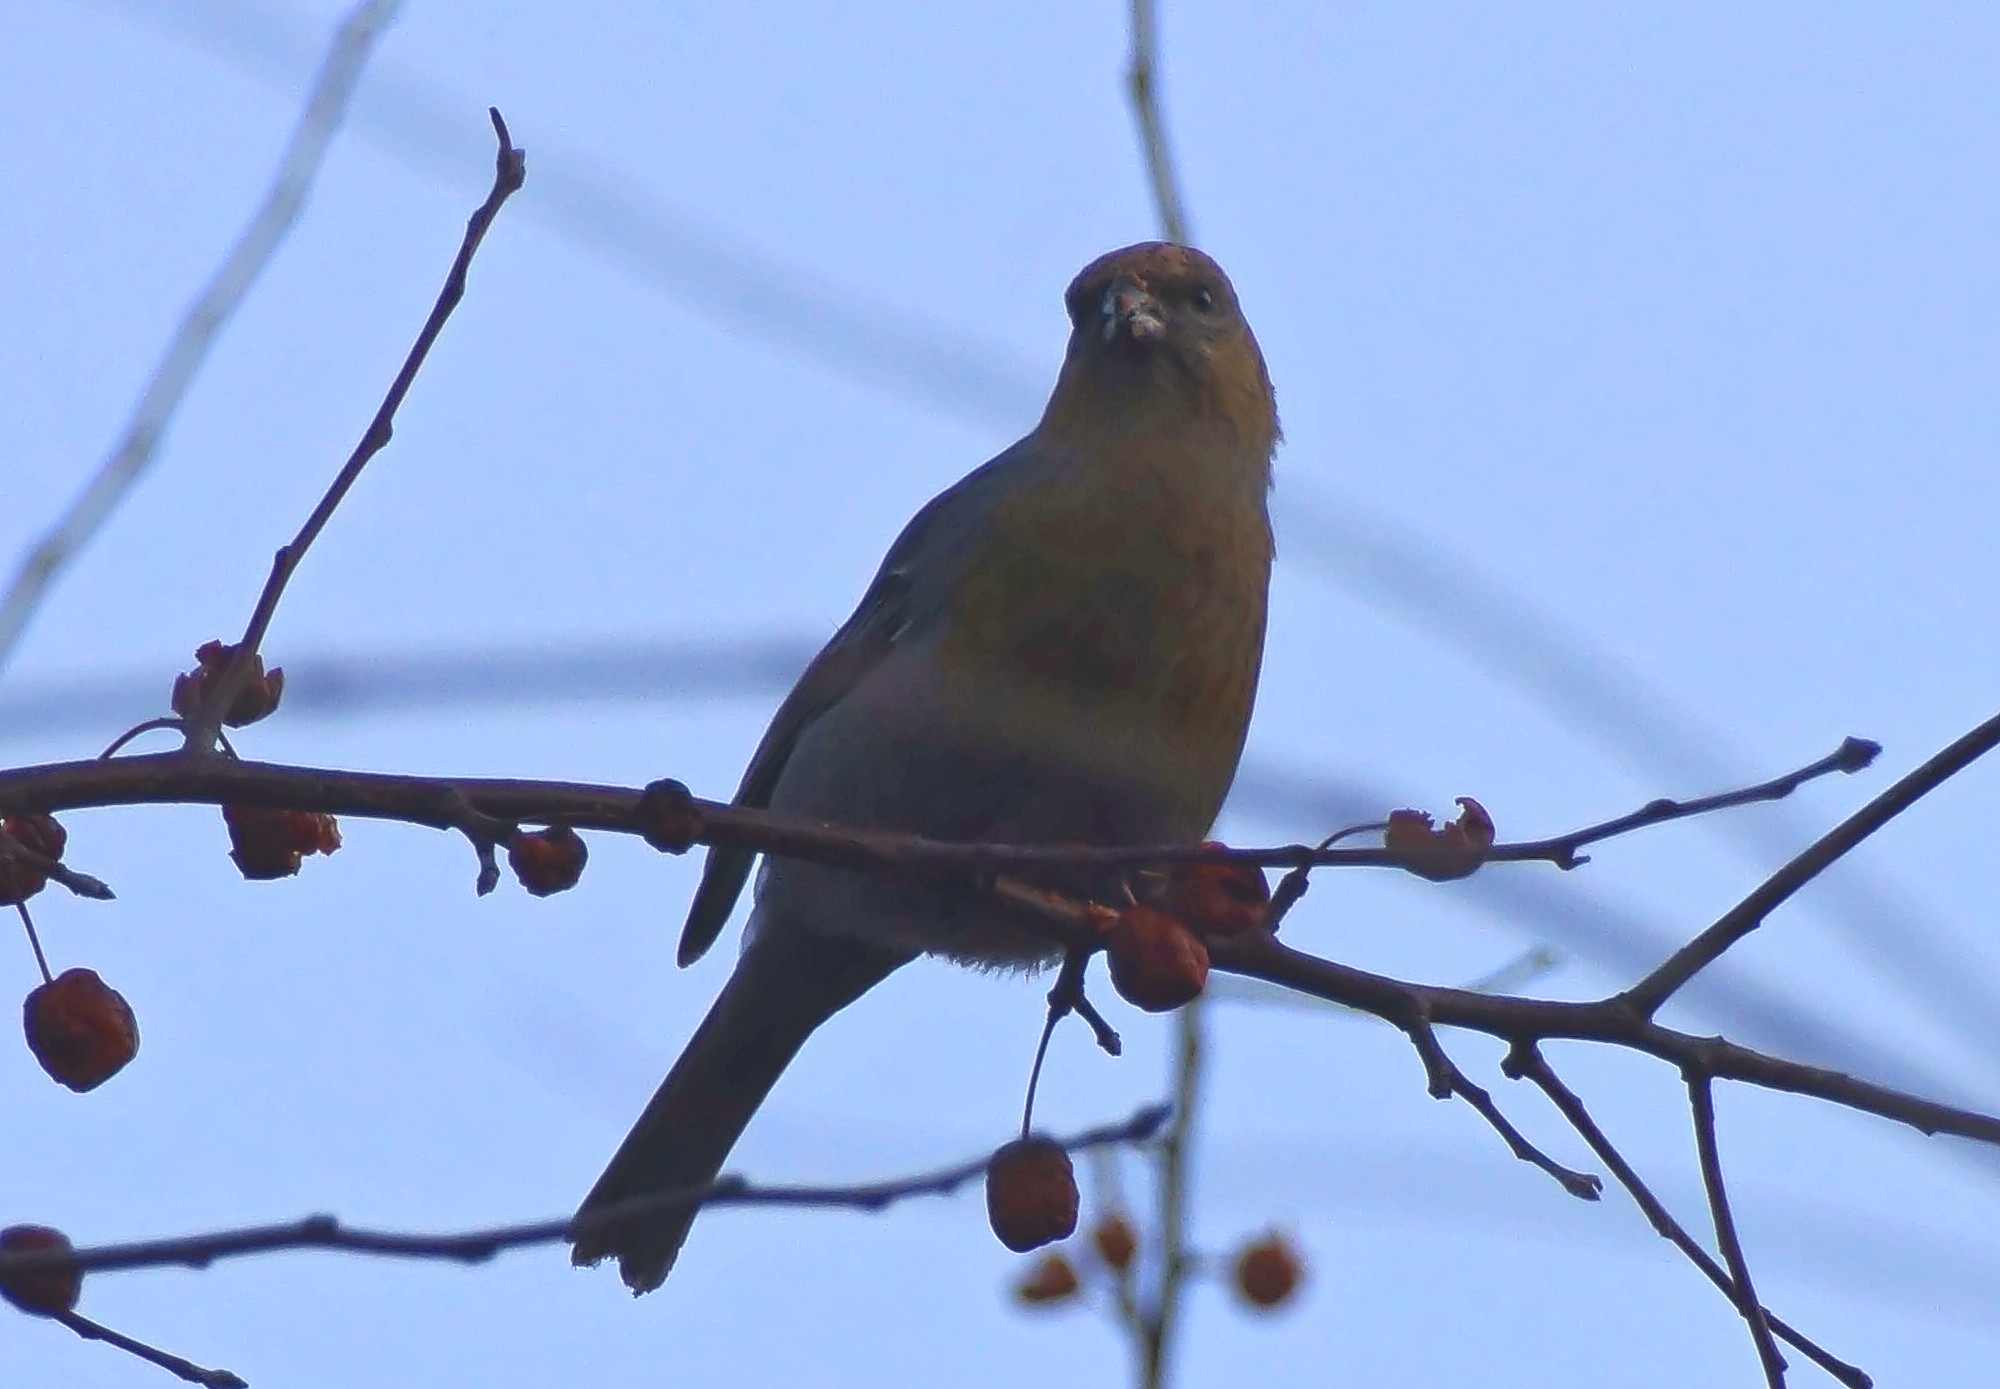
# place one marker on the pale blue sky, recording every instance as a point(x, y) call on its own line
point(1678, 320)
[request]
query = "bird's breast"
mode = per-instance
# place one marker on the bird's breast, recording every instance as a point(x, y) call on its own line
point(1117, 613)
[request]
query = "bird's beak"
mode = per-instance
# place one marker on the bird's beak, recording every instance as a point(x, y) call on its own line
point(1130, 309)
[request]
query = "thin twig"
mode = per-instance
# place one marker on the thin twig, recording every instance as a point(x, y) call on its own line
point(326, 105)
point(1142, 87)
point(1746, 916)
point(136, 730)
point(1526, 1060)
point(485, 833)
point(1701, 1100)
point(1293, 885)
point(510, 169)
point(1853, 755)
point(82, 884)
point(166, 1360)
point(1063, 995)
point(1103, 1033)
point(1445, 1079)
point(1159, 1325)
point(477, 1246)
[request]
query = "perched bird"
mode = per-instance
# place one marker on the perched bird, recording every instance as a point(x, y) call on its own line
point(1061, 648)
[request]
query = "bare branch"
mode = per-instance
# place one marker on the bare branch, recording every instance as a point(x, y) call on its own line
point(166, 1360)
point(167, 778)
point(510, 170)
point(1851, 756)
point(1701, 1099)
point(1158, 1324)
point(477, 1246)
point(326, 105)
point(1446, 1080)
point(1746, 916)
point(1142, 87)
point(1609, 1021)
point(1526, 1060)
point(441, 803)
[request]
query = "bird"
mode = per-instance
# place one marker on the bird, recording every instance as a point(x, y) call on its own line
point(1061, 648)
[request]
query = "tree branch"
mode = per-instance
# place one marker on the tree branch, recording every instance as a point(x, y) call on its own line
point(1609, 1021)
point(1851, 756)
point(1701, 1100)
point(1446, 1080)
point(152, 1355)
point(441, 802)
point(1526, 1060)
point(1746, 916)
point(509, 172)
point(477, 1246)
point(1142, 87)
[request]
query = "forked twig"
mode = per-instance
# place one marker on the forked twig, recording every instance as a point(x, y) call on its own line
point(510, 171)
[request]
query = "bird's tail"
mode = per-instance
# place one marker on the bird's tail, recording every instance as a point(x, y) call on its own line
point(784, 986)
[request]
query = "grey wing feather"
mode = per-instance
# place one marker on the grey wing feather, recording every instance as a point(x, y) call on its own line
point(911, 581)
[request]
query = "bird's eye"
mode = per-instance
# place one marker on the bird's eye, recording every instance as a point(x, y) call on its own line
point(1203, 299)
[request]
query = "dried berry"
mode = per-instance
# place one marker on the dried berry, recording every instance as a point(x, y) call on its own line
point(1445, 852)
point(1219, 899)
point(1156, 963)
point(1116, 1241)
point(19, 881)
point(1031, 1195)
point(1052, 1280)
point(38, 832)
point(257, 697)
point(80, 1029)
point(548, 861)
point(1268, 1272)
point(45, 1292)
point(270, 843)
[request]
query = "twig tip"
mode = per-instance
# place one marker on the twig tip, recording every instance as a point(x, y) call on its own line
point(1856, 753)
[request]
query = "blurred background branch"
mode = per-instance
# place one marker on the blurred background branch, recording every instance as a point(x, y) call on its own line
point(325, 107)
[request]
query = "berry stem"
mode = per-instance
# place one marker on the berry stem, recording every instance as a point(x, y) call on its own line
point(34, 942)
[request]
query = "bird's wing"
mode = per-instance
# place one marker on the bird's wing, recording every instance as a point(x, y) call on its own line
point(911, 584)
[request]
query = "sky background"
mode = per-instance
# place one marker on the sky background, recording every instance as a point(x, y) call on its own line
point(1668, 330)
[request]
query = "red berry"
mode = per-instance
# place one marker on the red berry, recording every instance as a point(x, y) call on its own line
point(1116, 1242)
point(41, 833)
point(47, 1291)
point(1052, 1280)
point(1268, 1272)
point(1031, 1197)
point(38, 832)
point(1156, 962)
point(548, 861)
point(80, 1028)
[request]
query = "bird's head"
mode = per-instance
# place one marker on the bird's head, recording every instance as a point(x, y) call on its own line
point(1158, 345)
